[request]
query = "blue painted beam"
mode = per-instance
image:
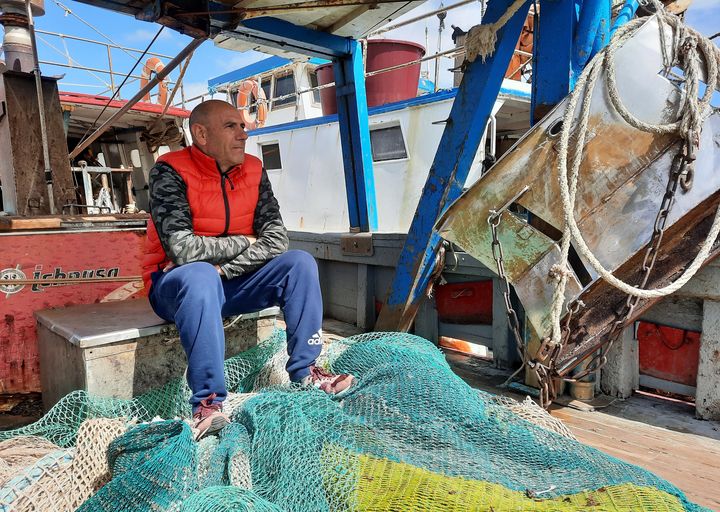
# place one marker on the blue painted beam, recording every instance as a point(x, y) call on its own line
point(591, 35)
point(284, 35)
point(458, 146)
point(626, 14)
point(355, 140)
point(552, 48)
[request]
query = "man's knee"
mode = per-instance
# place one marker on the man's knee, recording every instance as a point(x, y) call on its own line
point(198, 277)
point(301, 262)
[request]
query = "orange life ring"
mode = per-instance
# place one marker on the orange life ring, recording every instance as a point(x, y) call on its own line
point(245, 92)
point(154, 65)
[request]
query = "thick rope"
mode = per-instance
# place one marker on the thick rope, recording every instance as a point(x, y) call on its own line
point(480, 40)
point(692, 114)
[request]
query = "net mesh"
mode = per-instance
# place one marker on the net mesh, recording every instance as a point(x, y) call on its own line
point(410, 435)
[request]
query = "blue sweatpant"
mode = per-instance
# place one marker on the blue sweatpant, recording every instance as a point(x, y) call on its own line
point(196, 298)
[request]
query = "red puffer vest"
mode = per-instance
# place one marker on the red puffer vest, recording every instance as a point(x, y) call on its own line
point(219, 206)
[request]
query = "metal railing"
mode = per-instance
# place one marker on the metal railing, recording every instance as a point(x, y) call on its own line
point(107, 80)
point(455, 52)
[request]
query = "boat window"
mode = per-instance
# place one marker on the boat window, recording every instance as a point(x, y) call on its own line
point(387, 144)
point(313, 84)
point(271, 156)
point(284, 85)
point(266, 84)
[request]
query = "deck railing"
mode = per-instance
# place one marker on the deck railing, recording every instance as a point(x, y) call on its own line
point(105, 76)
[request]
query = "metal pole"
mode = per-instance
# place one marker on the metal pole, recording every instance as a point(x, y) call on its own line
point(421, 17)
point(140, 94)
point(41, 108)
point(441, 16)
point(112, 79)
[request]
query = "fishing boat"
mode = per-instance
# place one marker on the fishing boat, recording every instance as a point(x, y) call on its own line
point(415, 228)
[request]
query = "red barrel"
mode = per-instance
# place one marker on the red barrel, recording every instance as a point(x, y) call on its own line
point(388, 87)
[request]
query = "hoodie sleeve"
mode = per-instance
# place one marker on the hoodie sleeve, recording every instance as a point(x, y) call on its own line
point(170, 212)
point(272, 238)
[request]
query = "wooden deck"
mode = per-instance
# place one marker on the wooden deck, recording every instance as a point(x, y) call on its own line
point(659, 435)
point(690, 461)
point(656, 434)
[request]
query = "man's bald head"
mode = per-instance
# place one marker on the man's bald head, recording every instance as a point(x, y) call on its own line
point(218, 131)
point(202, 113)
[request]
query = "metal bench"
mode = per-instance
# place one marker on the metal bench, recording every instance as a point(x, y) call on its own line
point(122, 349)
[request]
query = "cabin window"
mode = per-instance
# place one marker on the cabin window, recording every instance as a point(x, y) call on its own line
point(313, 84)
point(387, 144)
point(266, 85)
point(284, 85)
point(271, 156)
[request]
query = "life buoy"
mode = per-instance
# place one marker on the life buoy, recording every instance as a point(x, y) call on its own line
point(154, 65)
point(246, 91)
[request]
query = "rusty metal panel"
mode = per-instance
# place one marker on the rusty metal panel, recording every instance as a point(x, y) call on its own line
point(622, 180)
point(22, 167)
point(30, 255)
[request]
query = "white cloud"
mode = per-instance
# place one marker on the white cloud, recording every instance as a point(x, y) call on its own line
point(144, 36)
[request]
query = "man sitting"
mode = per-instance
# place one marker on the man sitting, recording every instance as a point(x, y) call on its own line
point(217, 247)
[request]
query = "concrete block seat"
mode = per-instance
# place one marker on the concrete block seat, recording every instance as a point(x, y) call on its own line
point(122, 349)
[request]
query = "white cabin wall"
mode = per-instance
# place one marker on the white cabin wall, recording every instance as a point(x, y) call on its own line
point(311, 185)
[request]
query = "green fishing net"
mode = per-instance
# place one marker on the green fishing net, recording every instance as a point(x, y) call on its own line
point(410, 435)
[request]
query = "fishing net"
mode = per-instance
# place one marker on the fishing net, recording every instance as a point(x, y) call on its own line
point(410, 435)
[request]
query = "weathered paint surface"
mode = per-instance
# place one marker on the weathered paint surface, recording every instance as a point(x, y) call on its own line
point(622, 179)
point(707, 401)
point(52, 256)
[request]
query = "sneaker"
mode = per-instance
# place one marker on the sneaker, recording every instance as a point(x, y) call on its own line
point(329, 383)
point(209, 418)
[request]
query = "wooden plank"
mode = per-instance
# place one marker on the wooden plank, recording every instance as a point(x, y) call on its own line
point(11, 223)
point(621, 430)
point(696, 478)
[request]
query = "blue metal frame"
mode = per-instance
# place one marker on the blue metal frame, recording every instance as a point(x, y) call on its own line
point(626, 14)
point(355, 139)
point(552, 47)
point(458, 146)
point(346, 54)
point(591, 35)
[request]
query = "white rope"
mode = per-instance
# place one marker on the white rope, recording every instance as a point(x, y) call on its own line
point(480, 40)
point(692, 114)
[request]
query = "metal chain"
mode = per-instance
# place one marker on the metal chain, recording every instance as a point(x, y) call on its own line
point(681, 172)
point(543, 372)
point(498, 256)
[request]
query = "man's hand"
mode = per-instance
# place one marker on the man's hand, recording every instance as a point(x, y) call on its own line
point(220, 270)
point(251, 239)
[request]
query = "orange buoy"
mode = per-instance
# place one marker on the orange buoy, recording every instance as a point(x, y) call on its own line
point(154, 65)
point(246, 91)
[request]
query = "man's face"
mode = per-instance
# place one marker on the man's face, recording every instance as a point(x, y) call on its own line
point(222, 136)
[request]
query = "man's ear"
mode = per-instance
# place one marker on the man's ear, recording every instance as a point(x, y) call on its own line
point(199, 134)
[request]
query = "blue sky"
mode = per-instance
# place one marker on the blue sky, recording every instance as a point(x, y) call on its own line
point(210, 61)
